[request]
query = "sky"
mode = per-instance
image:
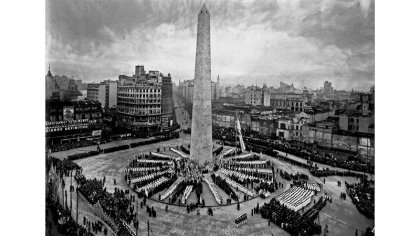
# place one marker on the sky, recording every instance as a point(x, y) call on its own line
point(304, 42)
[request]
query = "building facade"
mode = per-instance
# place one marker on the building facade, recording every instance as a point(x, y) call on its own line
point(104, 92)
point(328, 88)
point(72, 121)
point(319, 133)
point(356, 122)
point(292, 104)
point(92, 91)
point(186, 89)
point(256, 96)
point(168, 118)
point(139, 107)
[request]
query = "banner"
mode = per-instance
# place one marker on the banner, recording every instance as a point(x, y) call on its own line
point(96, 133)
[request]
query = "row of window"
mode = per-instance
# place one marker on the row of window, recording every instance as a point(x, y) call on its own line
point(140, 111)
point(125, 106)
point(137, 101)
point(143, 95)
point(138, 90)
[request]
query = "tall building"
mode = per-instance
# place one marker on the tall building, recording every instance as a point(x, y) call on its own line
point(215, 92)
point(201, 128)
point(167, 102)
point(51, 86)
point(186, 89)
point(145, 102)
point(139, 71)
point(139, 107)
point(72, 92)
point(258, 96)
point(92, 91)
point(328, 88)
point(104, 92)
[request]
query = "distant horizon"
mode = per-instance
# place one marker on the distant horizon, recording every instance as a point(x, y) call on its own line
point(225, 84)
point(299, 42)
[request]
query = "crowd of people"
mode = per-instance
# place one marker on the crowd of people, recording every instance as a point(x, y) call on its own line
point(327, 172)
point(117, 205)
point(62, 218)
point(290, 177)
point(322, 158)
point(95, 227)
point(242, 219)
point(228, 134)
point(291, 221)
point(264, 145)
point(221, 183)
point(68, 146)
point(192, 206)
point(363, 196)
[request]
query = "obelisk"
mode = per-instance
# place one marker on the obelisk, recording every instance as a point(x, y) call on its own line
point(201, 128)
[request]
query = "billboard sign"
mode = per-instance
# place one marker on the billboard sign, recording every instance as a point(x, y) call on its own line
point(96, 133)
point(164, 122)
point(68, 113)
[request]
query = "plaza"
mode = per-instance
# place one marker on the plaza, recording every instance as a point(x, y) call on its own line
point(341, 216)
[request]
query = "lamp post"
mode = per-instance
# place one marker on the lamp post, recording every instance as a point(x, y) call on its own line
point(77, 204)
point(71, 191)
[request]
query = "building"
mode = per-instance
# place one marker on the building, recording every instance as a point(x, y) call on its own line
point(226, 118)
point(328, 88)
point(344, 141)
point(291, 104)
point(51, 86)
point(215, 89)
point(284, 128)
point(139, 107)
point(107, 94)
point(62, 87)
point(83, 96)
point(186, 90)
point(360, 143)
point(104, 92)
point(92, 92)
point(72, 121)
point(319, 133)
point(256, 96)
point(290, 127)
point(264, 127)
point(139, 71)
point(168, 118)
point(355, 122)
point(145, 102)
point(72, 92)
point(365, 102)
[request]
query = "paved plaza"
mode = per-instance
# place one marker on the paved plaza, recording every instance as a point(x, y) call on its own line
point(341, 216)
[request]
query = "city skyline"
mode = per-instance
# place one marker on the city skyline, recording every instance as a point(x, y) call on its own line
point(299, 42)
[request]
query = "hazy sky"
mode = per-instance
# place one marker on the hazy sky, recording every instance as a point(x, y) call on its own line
point(304, 42)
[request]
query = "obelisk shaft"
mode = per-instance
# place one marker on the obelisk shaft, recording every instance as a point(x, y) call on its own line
point(201, 129)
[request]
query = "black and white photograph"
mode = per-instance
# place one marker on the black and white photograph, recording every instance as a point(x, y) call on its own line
point(211, 117)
